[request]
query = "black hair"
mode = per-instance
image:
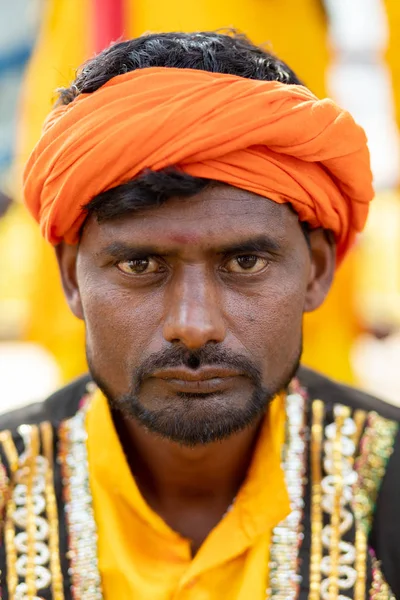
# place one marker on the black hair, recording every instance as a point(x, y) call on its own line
point(218, 52)
point(212, 51)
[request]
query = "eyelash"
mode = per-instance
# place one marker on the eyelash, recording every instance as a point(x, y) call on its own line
point(226, 259)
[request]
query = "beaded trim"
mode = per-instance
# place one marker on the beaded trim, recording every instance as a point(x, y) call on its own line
point(375, 450)
point(28, 553)
point(284, 581)
point(284, 578)
point(9, 526)
point(361, 539)
point(4, 483)
point(317, 433)
point(46, 430)
point(338, 488)
point(337, 566)
point(86, 581)
point(379, 589)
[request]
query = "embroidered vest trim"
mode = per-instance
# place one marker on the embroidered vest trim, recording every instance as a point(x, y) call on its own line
point(348, 455)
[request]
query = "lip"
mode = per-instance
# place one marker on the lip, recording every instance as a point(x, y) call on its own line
point(206, 380)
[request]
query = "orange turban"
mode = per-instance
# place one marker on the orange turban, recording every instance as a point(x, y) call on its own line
point(273, 139)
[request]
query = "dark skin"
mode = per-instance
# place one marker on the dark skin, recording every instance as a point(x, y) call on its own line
point(224, 268)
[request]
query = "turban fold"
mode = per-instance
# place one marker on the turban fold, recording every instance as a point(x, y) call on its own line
point(270, 138)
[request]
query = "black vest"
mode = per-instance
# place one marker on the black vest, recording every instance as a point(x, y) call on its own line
point(342, 465)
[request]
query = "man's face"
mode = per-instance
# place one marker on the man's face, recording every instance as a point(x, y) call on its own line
point(193, 310)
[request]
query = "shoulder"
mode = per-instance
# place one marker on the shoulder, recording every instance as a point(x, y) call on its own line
point(59, 406)
point(376, 461)
point(331, 392)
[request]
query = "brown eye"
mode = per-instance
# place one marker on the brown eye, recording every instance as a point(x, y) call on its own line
point(139, 266)
point(248, 263)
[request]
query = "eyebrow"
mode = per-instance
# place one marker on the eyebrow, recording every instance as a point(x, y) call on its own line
point(124, 251)
point(261, 243)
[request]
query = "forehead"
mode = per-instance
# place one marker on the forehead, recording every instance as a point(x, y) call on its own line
point(218, 213)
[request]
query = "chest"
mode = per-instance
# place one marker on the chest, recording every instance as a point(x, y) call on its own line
point(333, 464)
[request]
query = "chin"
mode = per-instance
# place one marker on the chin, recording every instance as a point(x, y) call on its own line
point(193, 420)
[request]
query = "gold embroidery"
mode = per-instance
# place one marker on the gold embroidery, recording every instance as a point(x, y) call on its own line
point(361, 539)
point(86, 581)
point(316, 497)
point(9, 527)
point(51, 508)
point(359, 420)
point(330, 494)
point(337, 567)
point(10, 450)
point(338, 494)
point(379, 589)
point(361, 544)
point(4, 483)
point(31, 437)
point(284, 577)
point(375, 450)
point(27, 553)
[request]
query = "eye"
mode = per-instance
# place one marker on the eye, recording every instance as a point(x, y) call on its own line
point(139, 266)
point(247, 263)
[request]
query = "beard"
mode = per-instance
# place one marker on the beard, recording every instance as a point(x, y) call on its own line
point(196, 419)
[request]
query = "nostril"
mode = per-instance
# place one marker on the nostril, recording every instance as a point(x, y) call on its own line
point(193, 362)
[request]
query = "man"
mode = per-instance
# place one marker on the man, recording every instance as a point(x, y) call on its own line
point(199, 198)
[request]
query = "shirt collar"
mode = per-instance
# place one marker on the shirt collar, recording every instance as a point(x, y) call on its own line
point(262, 501)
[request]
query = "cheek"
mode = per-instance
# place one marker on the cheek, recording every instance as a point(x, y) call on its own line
point(120, 327)
point(268, 322)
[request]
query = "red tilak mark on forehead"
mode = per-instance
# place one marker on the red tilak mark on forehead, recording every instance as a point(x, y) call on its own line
point(183, 238)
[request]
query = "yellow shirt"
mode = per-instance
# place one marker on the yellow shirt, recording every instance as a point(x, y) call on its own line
point(141, 557)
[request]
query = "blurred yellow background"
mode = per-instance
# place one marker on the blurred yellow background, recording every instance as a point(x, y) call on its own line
point(346, 50)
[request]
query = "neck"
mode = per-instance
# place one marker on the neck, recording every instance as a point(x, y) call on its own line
point(190, 488)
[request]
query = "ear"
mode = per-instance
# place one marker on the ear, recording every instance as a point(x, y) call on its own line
point(67, 258)
point(323, 264)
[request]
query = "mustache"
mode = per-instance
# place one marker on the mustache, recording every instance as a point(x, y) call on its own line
point(195, 359)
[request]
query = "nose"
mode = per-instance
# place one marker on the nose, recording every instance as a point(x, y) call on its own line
point(194, 316)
